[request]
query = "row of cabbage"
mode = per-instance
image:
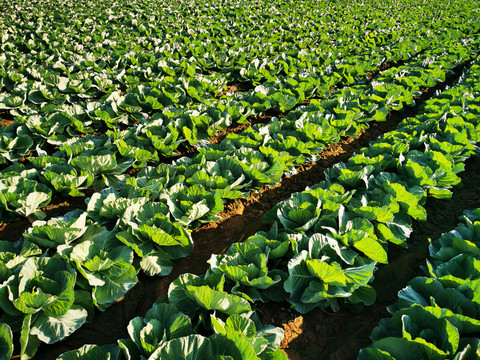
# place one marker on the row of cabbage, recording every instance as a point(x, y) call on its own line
point(161, 128)
point(241, 163)
point(49, 83)
point(143, 222)
point(325, 243)
point(437, 316)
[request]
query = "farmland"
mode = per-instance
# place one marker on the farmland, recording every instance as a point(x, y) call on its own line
point(239, 179)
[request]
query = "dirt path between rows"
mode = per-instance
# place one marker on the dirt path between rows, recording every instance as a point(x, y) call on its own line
point(325, 335)
point(318, 334)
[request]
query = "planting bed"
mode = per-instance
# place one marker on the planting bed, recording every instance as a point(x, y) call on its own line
point(235, 179)
point(315, 335)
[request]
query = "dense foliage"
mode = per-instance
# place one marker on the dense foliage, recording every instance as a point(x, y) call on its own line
point(118, 103)
point(437, 316)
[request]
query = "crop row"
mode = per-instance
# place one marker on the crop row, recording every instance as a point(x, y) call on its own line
point(241, 163)
point(51, 91)
point(325, 243)
point(161, 119)
point(437, 316)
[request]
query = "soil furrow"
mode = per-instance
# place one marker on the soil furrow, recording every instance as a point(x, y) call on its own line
point(6, 118)
point(242, 218)
point(339, 336)
point(307, 174)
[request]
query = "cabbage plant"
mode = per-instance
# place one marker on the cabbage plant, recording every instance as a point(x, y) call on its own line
point(38, 299)
point(106, 265)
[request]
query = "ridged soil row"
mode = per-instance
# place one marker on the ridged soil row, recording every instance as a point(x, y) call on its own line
point(60, 204)
point(324, 335)
point(242, 218)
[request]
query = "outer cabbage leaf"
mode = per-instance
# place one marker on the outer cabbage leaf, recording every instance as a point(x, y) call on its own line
point(6, 341)
point(190, 294)
point(91, 352)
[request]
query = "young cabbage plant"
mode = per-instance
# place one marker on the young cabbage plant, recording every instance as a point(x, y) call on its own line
point(106, 265)
point(38, 300)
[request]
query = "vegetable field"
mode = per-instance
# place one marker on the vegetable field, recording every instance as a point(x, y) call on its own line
point(239, 179)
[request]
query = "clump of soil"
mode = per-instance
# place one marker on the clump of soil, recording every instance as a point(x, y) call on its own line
point(5, 122)
point(237, 87)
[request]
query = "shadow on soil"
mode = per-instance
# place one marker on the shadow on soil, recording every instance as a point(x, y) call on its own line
point(339, 336)
point(315, 336)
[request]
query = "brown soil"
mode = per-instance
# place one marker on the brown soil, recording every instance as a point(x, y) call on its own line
point(237, 87)
point(183, 150)
point(238, 128)
point(5, 122)
point(339, 336)
point(6, 118)
point(13, 230)
point(320, 334)
point(60, 205)
point(387, 65)
point(234, 128)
